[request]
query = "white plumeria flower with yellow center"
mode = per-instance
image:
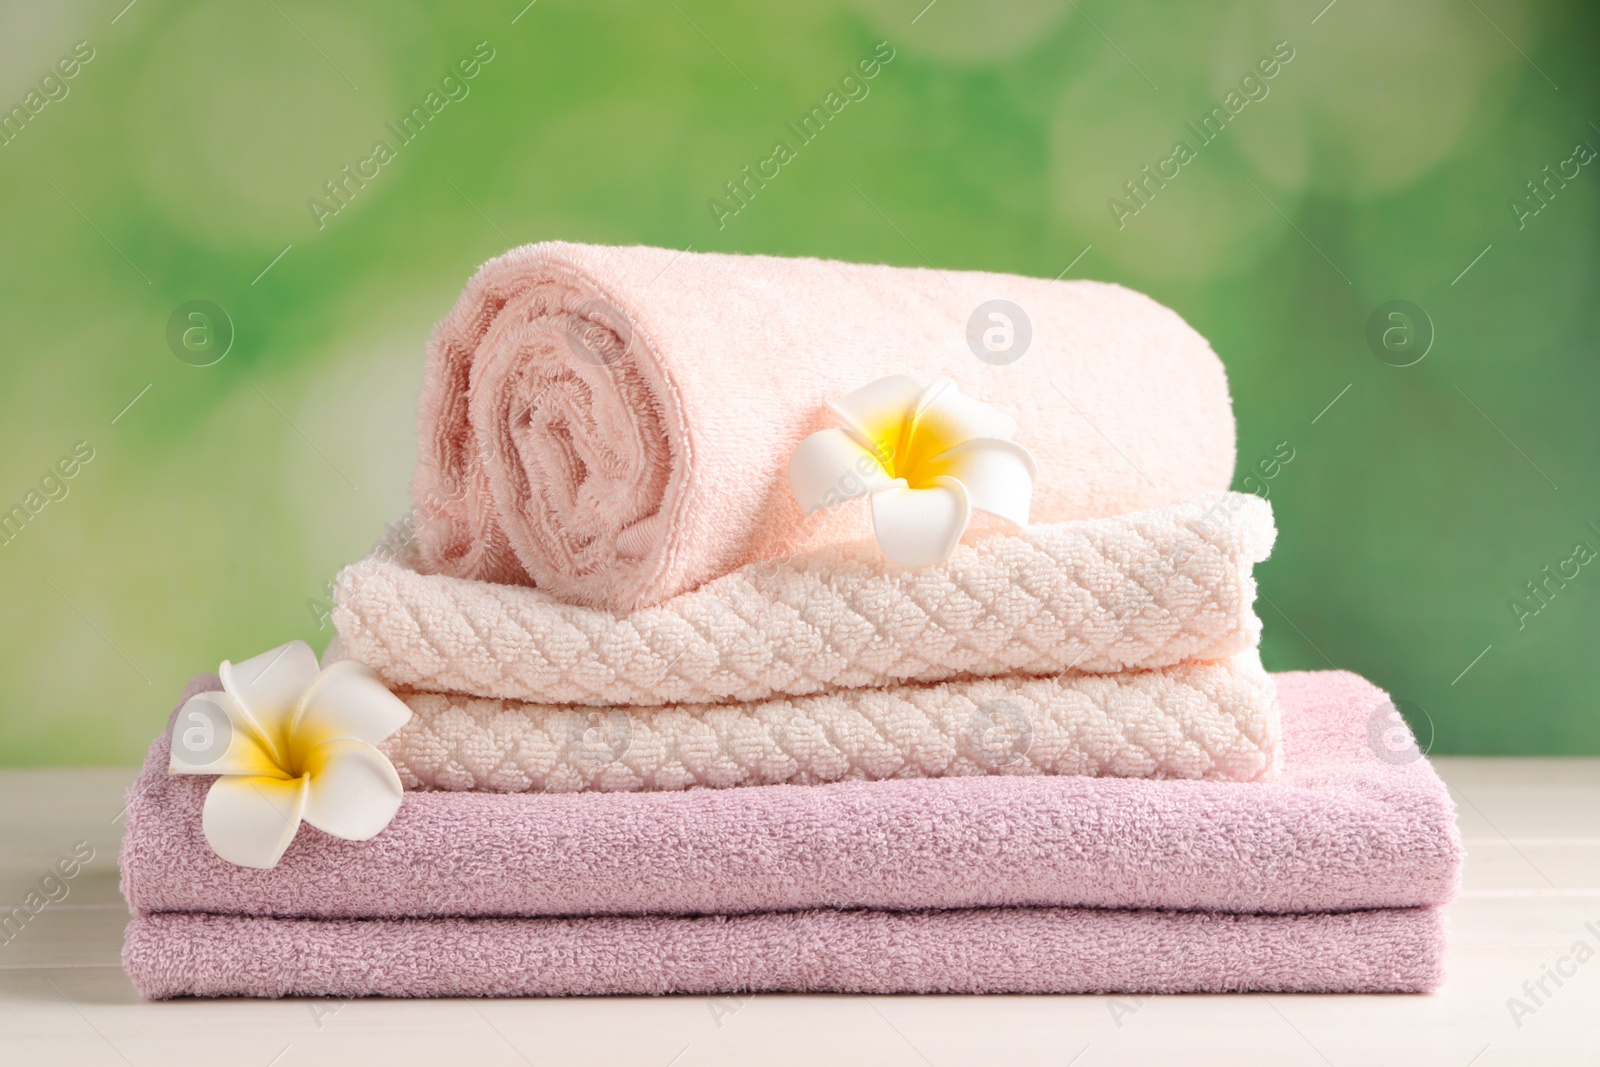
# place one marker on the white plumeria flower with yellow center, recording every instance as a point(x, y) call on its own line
point(290, 742)
point(927, 456)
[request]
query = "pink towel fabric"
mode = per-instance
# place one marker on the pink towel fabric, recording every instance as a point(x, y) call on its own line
point(1349, 825)
point(614, 425)
point(987, 950)
point(1145, 590)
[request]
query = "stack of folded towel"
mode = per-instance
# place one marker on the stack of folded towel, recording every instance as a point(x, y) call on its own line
point(1122, 646)
point(670, 733)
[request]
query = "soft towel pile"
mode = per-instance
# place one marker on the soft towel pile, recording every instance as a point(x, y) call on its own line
point(606, 584)
point(1118, 646)
point(1326, 880)
point(668, 734)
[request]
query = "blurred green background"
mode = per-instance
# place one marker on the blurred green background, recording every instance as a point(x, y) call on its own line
point(1383, 163)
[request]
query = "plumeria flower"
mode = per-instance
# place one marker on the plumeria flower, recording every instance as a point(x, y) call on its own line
point(927, 456)
point(290, 742)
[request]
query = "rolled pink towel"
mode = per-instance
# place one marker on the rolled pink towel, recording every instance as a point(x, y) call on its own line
point(614, 425)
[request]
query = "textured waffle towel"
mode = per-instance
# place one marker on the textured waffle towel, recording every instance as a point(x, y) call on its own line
point(1345, 827)
point(1145, 590)
point(990, 950)
point(614, 425)
point(1197, 720)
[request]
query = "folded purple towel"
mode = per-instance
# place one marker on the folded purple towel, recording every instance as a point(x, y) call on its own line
point(988, 950)
point(1349, 825)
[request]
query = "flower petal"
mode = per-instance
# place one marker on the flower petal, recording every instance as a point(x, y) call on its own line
point(946, 414)
point(877, 411)
point(997, 475)
point(213, 735)
point(830, 466)
point(269, 686)
point(920, 527)
point(348, 700)
point(354, 790)
point(250, 821)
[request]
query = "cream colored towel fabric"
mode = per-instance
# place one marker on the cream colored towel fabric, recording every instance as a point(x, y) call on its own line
point(1214, 720)
point(1146, 590)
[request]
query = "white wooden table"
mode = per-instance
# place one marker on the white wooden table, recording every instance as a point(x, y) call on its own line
point(1532, 884)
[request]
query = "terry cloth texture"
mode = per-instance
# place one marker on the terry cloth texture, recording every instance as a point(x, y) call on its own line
point(1145, 590)
point(614, 425)
point(1350, 824)
point(1197, 720)
point(988, 950)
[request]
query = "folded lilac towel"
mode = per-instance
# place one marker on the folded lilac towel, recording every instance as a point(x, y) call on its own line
point(989, 950)
point(1137, 591)
point(1348, 825)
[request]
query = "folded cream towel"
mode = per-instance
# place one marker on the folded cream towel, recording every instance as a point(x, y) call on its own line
point(1214, 720)
point(614, 425)
point(1144, 590)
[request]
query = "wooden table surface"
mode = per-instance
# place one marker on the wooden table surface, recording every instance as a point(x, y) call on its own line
point(1532, 885)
